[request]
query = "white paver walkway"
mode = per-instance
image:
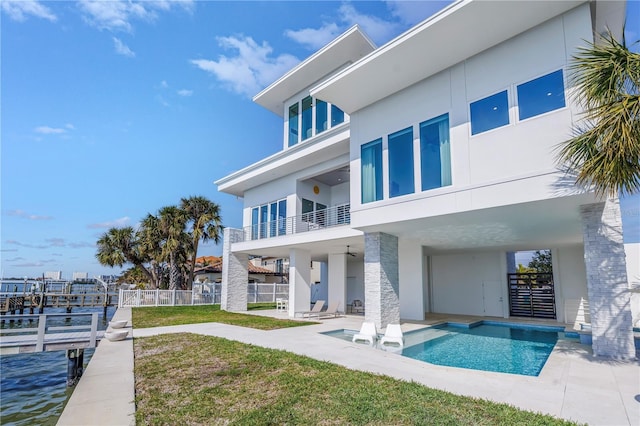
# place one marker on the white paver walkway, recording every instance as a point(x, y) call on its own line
point(573, 384)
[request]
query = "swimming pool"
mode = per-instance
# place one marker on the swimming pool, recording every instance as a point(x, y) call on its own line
point(487, 346)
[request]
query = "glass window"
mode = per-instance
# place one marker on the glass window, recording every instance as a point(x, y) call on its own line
point(254, 223)
point(263, 221)
point(489, 113)
point(282, 217)
point(401, 163)
point(321, 116)
point(435, 153)
point(371, 171)
point(337, 116)
point(273, 216)
point(307, 118)
point(541, 95)
point(293, 124)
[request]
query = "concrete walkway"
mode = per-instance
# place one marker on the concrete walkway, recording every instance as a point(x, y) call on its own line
point(573, 384)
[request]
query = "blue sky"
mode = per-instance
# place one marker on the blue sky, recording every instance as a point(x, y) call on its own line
point(114, 109)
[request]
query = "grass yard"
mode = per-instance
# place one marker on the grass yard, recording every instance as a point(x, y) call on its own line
point(178, 315)
point(190, 379)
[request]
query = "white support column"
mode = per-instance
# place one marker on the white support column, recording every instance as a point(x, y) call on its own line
point(338, 280)
point(299, 281)
point(381, 282)
point(410, 274)
point(608, 289)
point(235, 274)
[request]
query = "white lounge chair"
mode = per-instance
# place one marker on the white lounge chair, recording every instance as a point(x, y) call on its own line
point(393, 334)
point(331, 312)
point(367, 332)
point(317, 307)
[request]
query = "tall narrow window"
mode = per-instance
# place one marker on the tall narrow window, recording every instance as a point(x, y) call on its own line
point(435, 153)
point(371, 171)
point(263, 220)
point(489, 113)
point(321, 116)
point(337, 116)
point(541, 95)
point(401, 163)
point(282, 217)
point(254, 223)
point(307, 118)
point(293, 124)
point(273, 217)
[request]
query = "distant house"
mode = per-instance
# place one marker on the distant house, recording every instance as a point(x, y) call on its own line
point(212, 273)
point(415, 170)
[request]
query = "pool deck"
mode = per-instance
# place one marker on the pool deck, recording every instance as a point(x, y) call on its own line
point(573, 385)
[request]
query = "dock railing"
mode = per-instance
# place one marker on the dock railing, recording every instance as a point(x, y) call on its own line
point(46, 332)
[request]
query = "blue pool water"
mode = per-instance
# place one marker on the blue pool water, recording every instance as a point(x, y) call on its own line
point(503, 348)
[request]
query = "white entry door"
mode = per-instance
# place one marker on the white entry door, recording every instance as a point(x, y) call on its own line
point(492, 298)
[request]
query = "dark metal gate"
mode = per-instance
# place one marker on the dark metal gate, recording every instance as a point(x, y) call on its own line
point(532, 295)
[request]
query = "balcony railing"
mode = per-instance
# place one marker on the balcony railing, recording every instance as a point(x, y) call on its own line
point(312, 221)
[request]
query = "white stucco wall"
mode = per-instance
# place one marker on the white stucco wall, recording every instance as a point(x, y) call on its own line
point(469, 284)
point(355, 280)
point(518, 153)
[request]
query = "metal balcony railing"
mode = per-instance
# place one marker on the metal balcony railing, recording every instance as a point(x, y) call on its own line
point(312, 221)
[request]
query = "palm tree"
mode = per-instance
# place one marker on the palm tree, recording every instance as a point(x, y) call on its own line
point(605, 152)
point(206, 224)
point(165, 237)
point(118, 246)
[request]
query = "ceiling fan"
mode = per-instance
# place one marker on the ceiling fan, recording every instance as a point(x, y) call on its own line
point(350, 253)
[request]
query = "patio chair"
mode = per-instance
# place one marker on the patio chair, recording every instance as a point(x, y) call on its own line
point(357, 307)
point(393, 334)
point(331, 312)
point(316, 308)
point(367, 332)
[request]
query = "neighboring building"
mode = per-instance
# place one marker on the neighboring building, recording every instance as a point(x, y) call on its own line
point(53, 275)
point(212, 273)
point(414, 171)
point(80, 276)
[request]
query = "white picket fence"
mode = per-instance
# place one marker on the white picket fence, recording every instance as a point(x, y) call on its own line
point(201, 294)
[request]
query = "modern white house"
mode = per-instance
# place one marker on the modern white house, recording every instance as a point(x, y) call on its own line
point(415, 170)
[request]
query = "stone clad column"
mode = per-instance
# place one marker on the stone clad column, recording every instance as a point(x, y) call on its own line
point(609, 298)
point(381, 282)
point(235, 274)
point(299, 281)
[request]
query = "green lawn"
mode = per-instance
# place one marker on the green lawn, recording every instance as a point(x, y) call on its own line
point(191, 379)
point(178, 315)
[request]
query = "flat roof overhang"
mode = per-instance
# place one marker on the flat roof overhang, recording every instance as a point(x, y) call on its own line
point(452, 35)
point(347, 48)
point(330, 144)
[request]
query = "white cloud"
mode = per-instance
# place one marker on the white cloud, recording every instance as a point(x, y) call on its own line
point(378, 29)
point(313, 38)
point(25, 215)
point(412, 12)
point(185, 92)
point(20, 10)
point(251, 69)
point(122, 49)
point(123, 221)
point(56, 242)
point(117, 15)
point(164, 84)
point(46, 130)
point(70, 126)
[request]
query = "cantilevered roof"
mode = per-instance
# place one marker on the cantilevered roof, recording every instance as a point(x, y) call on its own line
point(459, 31)
point(349, 47)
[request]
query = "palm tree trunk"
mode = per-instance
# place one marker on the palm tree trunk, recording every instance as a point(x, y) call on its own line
point(174, 273)
point(193, 264)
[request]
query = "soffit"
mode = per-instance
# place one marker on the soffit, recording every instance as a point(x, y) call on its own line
point(347, 48)
point(456, 33)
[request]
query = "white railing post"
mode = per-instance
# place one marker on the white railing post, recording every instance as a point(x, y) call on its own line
point(273, 299)
point(120, 298)
point(157, 296)
point(42, 326)
point(173, 298)
point(138, 297)
point(94, 330)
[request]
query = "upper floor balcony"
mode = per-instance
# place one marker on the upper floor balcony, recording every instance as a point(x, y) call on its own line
point(306, 222)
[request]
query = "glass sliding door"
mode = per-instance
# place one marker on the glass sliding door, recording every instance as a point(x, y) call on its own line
point(282, 217)
point(254, 223)
point(307, 118)
point(273, 216)
point(263, 221)
point(321, 116)
point(293, 124)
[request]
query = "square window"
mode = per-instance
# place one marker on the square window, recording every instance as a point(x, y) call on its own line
point(541, 95)
point(490, 113)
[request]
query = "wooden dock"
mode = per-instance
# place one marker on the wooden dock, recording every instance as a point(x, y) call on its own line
point(17, 303)
point(35, 333)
